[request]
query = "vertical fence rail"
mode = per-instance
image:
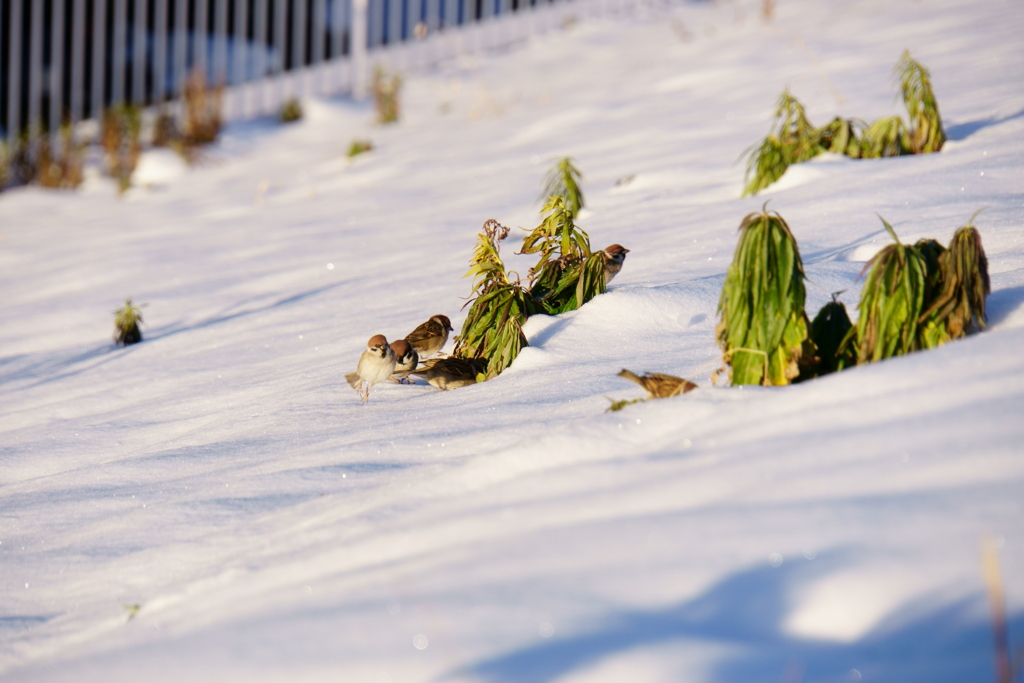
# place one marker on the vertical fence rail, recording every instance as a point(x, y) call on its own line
point(14, 73)
point(68, 60)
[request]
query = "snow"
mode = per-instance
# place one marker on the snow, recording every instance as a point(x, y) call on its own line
point(223, 477)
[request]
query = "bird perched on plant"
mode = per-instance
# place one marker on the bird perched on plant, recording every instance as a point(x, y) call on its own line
point(430, 337)
point(613, 259)
point(657, 385)
point(375, 365)
point(406, 359)
point(449, 373)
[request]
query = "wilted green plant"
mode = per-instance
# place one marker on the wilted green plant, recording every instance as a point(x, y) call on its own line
point(842, 136)
point(60, 168)
point(121, 126)
point(386, 89)
point(891, 302)
point(885, 138)
point(828, 330)
point(567, 273)
point(492, 332)
point(792, 139)
point(202, 120)
point(126, 324)
point(165, 130)
point(926, 134)
point(563, 180)
point(763, 327)
point(5, 159)
point(358, 147)
point(958, 299)
point(290, 111)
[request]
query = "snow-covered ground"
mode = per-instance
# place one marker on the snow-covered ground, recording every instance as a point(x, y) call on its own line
point(223, 477)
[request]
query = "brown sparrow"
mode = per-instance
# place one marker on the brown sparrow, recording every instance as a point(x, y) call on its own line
point(448, 373)
point(657, 385)
point(406, 360)
point(431, 336)
point(375, 365)
point(613, 258)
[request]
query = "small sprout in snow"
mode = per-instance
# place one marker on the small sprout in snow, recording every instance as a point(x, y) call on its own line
point(619, 405)
point(290, 111)
point(358, 147)
point(132, 610)
point(126, 324)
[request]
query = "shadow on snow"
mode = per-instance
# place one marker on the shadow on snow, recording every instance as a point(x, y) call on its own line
point(745, 613)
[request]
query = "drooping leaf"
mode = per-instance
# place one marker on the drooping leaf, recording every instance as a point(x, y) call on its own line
point(763, 330)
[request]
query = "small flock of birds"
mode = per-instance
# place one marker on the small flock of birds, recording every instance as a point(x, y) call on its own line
point(400, 359)
point(397, 360)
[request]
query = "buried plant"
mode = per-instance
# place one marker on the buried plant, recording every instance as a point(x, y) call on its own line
point(493, 330)
point(202, 119)
point(958, 299)
point(763, 330)
point(358, 147)
point(291, 111)
point(121, 126)
point(567, 274)
point(126, 324)
point(793, 139)
point(828, 330)
point(59, 166)
point(921, 296)
point(386, 89)
point(925, 134)
point(892, 300)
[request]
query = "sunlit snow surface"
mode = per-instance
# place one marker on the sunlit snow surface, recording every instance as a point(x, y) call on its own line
point(223, 476)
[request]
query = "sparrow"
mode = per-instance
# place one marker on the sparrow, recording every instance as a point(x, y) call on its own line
point(448, 373)
point(406, 360)
point(375, 365)
point(657, 385)
point(430, 337)
point(613, 258)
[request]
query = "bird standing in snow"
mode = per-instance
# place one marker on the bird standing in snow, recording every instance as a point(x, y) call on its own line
point(657, 385)
point(406, 359)
point(375, 365)
point(430, 337)
point(613, 259)
point(448, 373)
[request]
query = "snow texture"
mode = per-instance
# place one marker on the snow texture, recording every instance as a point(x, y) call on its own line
point(223, 478)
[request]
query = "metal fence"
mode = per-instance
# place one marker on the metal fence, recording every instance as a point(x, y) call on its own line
point(67, 60)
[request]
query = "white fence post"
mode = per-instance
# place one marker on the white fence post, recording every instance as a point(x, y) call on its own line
point(358, 48)
point(14, 75)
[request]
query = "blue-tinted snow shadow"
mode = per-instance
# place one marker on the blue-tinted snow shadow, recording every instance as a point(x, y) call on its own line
point(1002, 302)
point(57, 365)
point(961, 131)
point(744, 615)
point(230, 313)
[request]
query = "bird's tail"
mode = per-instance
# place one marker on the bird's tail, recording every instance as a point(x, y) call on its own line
point(353, 379)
